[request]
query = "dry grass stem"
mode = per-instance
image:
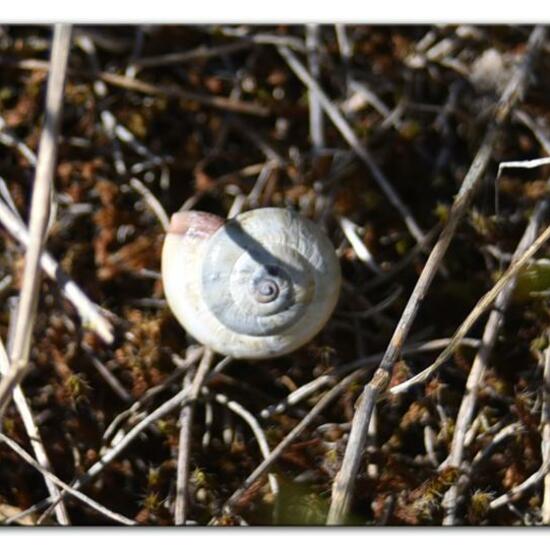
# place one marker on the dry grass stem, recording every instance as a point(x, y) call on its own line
point(182, 366)
point(9, 140)
point(107, 375)
point(152, 202)
point(359, 247)
point(176, 401)
point(514, 493)
point(177, 58)
point(263, 38)
point(540, 133)
point(305, 391)
point(316, 122)
point(533, 163)
point(367, 96)
point(498, 436)
point(39, 216)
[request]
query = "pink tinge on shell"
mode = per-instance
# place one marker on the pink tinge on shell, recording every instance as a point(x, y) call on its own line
point(195, 224)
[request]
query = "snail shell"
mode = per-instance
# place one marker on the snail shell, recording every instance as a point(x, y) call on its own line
point(256, 286)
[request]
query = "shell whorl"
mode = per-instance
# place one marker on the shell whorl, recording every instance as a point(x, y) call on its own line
point(259, 285)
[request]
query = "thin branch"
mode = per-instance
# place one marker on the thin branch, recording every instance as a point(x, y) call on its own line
point(532, 480)
point(346, 51)
point(9, 140)
point(167, 407)
point(108, 121)
point(40, 212)
point(201, 52)
point(316, 126)
point(375, 309)
point(208, 422)
point(367, 96)
point(182, 366)
point(106, 374)
point(176, 401)
point(496, 439)
point(186, 423)
point(126, 136)
point(263, 38)
point(204, 52)
point(6, 195)
point(539, 132)
point(532, 163)
point(344, 482)
point(403, 263)
point(361, 251)
point(13, 514)
point(152, 202)
point(477, 372)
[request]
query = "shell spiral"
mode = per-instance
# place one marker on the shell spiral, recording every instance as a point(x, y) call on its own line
point(256, 286)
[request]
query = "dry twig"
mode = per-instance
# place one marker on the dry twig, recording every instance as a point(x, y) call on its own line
point(40, 211)
point(532, 480)
point(152, 202)
point(317, 131)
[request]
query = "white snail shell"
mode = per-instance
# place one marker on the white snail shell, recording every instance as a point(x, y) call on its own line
point(256, 286)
